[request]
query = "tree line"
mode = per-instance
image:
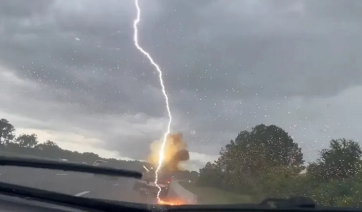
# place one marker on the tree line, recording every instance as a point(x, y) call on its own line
point(266, 162)
point(28, 145)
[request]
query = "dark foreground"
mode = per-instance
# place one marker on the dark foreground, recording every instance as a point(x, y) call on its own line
point(79, 184)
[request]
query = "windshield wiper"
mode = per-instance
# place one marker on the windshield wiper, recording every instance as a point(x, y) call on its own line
point(68, 200)
point(66, 166)
point(54, 197)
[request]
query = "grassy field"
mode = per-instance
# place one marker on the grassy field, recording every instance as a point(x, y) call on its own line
point(208, 195)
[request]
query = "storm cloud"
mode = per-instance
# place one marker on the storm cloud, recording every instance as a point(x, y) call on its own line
point(70, 71)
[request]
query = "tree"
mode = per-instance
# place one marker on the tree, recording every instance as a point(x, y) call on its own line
point(283, 181)
point(28, 141)
point(210, 175)
point(90, 157)
point(278, 147)
point(6, 131)
point(263, 148)
point(341, 160)
point(244, 163)
point(48, 145)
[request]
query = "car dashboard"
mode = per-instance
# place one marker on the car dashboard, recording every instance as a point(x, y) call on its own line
point(18, 204)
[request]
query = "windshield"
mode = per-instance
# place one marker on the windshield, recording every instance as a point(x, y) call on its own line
point(215, 102)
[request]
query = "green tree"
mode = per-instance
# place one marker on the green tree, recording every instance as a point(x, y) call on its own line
point(48, 145)
point(253, 158)
point(90, 157)
point(210, 175)
point(261, 149)
point(27, 141)
point(277, 146)
point(341, 160)
point(6, 131)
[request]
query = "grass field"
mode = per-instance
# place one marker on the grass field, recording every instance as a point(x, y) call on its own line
point(208, 195)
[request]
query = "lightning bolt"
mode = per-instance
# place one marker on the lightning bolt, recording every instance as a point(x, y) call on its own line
point(163, 145)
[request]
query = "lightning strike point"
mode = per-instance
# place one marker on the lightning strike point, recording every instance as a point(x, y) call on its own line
point(160, 74)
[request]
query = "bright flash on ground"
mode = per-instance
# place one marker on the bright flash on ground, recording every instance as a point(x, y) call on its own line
point(174, 202)
point(175, 153)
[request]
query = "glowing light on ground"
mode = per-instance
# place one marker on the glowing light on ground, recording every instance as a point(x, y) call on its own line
point(162, 202)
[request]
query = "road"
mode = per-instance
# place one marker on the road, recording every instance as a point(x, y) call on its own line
point(72, 183)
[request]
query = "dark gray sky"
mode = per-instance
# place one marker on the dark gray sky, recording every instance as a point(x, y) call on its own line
point(70, 71)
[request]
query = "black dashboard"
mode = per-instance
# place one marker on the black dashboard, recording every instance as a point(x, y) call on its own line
point(18, 204)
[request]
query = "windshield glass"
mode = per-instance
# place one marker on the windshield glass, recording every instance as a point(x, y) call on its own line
point(215, 102)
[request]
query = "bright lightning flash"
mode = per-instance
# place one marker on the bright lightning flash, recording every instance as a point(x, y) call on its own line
point(163, 145)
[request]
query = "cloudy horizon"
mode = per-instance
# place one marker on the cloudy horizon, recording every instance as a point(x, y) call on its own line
point(70, 72)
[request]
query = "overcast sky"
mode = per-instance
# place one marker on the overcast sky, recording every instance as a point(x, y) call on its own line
point(69, 72)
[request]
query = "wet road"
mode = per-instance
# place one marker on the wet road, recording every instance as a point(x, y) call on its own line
point(79, 184)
